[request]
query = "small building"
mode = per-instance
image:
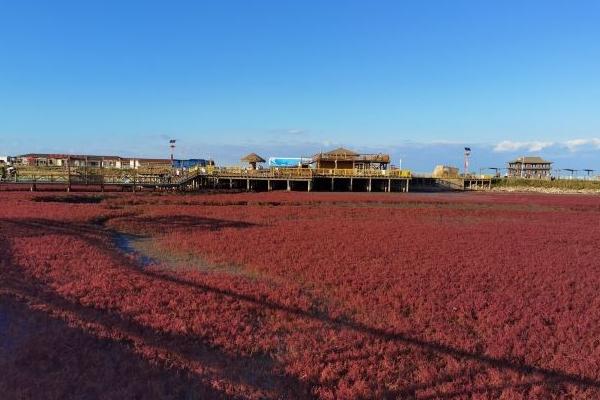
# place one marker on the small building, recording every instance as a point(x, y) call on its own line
point(111, 162)
point(127, 163)
point(90, 161)
point(252, 159)
point(94, 161)
point(530, 167)
point(444, 171)
point(76, 161)
point(342, 158)
point(41, 160)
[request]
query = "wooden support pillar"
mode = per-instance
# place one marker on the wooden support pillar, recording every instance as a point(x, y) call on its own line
point(351, 183)
point(248, 185)
point(230, 183)
point(333, 183)
point(369, 185)
point(68, 174)
point(289, 186)
point(309, 185)
point(269, 185)
point(407, 181)
point(389, 187)
point(33, 187)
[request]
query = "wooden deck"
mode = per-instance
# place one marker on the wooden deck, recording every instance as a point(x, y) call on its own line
point(305, 179)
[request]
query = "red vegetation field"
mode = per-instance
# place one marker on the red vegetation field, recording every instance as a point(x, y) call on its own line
point(295, 295)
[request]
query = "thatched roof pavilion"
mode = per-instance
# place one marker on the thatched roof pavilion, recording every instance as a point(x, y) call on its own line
point(252, 159)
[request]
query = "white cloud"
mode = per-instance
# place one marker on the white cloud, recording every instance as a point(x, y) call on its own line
point(508, 145)
point(573, 145)
point(288, 132)
point(577, 144)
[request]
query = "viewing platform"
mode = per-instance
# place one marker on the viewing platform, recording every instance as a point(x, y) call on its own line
point(211, 177)
point(307, 179)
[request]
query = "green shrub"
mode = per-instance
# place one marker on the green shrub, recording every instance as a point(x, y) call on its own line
point(569, 184)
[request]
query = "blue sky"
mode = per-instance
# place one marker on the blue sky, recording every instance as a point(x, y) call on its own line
point(418, 79)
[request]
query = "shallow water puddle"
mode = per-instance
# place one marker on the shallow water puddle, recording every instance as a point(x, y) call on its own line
point(127, 244)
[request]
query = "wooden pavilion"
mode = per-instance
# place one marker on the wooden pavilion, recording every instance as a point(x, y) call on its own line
point(253, 159)
point(342, 158)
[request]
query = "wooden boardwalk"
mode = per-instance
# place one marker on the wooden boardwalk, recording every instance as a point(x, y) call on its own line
point(305, 179)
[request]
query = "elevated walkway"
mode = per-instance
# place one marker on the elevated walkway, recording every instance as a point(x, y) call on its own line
point(197, 178)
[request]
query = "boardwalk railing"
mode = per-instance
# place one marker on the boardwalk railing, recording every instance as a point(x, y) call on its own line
point(111, 176)
point(298, 173)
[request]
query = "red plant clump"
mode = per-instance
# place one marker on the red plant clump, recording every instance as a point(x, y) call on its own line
point(300, 295)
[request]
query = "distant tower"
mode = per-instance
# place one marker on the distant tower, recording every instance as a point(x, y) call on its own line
point(467, 158)
point(172, 146)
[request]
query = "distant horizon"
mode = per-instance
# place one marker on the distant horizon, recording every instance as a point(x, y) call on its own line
point(483, 156)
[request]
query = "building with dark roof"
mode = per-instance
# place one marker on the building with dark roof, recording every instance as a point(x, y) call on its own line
point(530, 167)
point(91, 161)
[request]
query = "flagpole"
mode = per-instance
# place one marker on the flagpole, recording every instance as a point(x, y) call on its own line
point(172, 146)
